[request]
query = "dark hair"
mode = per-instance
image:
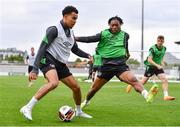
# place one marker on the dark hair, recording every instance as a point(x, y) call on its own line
point(69, 10)
point(160, 37)
point(115, 18)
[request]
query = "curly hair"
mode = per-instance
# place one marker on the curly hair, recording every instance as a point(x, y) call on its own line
point(115, 18)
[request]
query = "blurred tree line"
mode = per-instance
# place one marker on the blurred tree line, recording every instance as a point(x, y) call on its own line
point(14, 58)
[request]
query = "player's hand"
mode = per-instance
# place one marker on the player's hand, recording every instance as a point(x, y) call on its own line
point(33, 76)
point(160, 67)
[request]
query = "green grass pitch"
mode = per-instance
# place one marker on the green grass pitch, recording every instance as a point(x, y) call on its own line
point(111, 106)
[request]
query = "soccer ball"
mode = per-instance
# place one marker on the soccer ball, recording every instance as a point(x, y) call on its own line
point(66, 113)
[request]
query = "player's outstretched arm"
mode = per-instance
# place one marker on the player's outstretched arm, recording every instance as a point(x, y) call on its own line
point(79, 52)
point(89, 39)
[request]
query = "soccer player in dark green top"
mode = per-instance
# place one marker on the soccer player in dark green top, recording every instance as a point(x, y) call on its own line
point(154, 66)
point(94, 66)
point(97, 62)
point(113, 49)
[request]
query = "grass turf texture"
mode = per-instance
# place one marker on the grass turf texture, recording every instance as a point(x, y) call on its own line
point(111, 106)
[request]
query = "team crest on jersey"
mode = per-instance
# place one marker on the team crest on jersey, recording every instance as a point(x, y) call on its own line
point(67, 44)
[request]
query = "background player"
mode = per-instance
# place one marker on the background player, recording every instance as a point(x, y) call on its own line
point(154, 66)
point(30, 61)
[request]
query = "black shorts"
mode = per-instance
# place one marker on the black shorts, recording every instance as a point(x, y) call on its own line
point(150, 71)
point(96, 68)
point(109, 71)
point(52, 63)
point(30, 68)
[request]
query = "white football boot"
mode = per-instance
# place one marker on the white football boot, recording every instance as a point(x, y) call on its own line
point(26, 112)
point(82, 114)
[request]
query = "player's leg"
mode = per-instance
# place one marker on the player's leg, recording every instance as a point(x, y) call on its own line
point(73, 85)
point(130, 78)
point(164, 80)
point(53, 82)
point(104, 74)
point(147, 74)
point(30, 83)
point(98, 83)
point(144, 80)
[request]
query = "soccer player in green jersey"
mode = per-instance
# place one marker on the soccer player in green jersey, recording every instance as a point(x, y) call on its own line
point(97, 62)
point(113, 50)
point(154, 66)
point(94, 65)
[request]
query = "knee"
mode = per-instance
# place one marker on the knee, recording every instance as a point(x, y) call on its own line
point(53, 84)
point(133, 81)
point(164, 81)
point(138, 86)
point(143, 82)
point(76, 88)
